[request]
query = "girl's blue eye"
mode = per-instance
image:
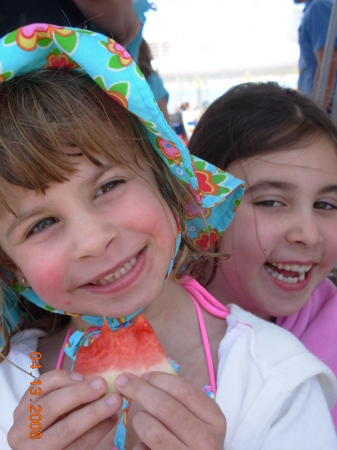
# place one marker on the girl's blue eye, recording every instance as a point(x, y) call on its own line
point(42, 225)
point(269, 203)
point(109, 186)
point(324, 206)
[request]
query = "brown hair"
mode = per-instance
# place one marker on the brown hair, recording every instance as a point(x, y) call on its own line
point(255, 118)
point(41, 114)
point(145, 58)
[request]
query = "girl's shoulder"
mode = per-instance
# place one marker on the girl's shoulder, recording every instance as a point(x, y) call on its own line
point(265, 376)
point(273, 352)
point(25, 341)
point(16, 373)
point(318, 314)
point(23, 350)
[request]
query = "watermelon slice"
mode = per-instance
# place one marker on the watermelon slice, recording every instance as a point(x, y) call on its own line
point(134, 349)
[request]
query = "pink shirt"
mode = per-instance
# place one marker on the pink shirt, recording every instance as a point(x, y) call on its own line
point(315, 325)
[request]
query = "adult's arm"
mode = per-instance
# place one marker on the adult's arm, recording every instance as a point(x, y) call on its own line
point(163, 107)
point(116, 17)
point(331, 75)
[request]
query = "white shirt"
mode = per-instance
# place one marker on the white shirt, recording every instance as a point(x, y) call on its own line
point(274, 393)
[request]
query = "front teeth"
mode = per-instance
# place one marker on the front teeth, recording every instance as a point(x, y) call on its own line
point(118, 274)
point(293, 267)
point(301, 270)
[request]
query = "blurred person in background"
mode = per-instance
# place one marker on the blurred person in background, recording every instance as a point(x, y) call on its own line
point(123, 20)
point(312, 35)
point(154, 80)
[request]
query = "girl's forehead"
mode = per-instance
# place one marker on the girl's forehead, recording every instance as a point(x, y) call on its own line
point(317, 157)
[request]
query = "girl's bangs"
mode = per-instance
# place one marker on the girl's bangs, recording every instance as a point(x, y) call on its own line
point(39, 136)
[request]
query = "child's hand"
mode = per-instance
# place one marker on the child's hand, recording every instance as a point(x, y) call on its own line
point(176, 413)
point(73, 413)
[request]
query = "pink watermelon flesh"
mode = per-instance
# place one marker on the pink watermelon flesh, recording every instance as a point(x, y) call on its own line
point(134, 349)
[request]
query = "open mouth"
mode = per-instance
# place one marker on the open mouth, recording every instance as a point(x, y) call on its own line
point(113, 276)
point(288, 273)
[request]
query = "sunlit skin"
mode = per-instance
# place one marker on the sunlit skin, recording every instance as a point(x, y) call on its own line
point(288, 215)
point(86, 228)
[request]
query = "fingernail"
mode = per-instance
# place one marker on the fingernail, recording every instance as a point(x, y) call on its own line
point(110, 400)
point(122, 380)
point(75, 376)
point(96, 384)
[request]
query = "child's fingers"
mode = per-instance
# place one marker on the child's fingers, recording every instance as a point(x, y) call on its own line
point(108, 442)
point(66, 399)
point(187, 393)
point(176, 403)
point(95, 436)
point(83, 428)
point(49, 382)
point(154, 435)
point(140, 446)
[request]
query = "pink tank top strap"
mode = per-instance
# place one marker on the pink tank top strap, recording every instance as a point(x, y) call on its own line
point(204, 298)
point(199, 295)
point(61, 355)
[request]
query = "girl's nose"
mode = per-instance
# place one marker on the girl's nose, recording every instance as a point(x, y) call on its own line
point(305, 230)
point(90, 235)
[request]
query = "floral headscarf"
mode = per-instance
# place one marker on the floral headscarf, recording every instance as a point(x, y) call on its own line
point(35, 46)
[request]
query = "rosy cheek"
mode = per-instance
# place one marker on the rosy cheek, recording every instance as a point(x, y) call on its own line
point(47, 280)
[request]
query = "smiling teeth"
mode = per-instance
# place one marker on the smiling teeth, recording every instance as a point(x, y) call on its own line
point(293, 267)
point(116, 275)
point(301, 270)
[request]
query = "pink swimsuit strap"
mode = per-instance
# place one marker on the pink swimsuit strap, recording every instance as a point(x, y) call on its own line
point(199, 295)
point(61, 356)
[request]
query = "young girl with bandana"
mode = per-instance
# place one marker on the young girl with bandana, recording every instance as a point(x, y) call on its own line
point(99, 201)
point(283, 239)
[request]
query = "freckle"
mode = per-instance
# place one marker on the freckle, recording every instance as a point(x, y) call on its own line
point(68, 302)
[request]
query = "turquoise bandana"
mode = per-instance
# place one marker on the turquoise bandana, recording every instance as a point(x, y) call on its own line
point(217, 193)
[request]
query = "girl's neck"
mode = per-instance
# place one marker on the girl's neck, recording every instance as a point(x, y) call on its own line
point(164, 313)
point(161, 309)
point(50, 347)
point(174, 320)
point(228, 295)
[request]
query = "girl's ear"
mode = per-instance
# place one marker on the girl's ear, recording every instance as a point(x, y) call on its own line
point(10, 266)
point(22, 280)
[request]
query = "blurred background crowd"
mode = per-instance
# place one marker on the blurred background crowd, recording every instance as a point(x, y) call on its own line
point(192, 51)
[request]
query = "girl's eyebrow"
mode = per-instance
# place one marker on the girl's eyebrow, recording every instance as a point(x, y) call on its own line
point(40, 210)
point(21, 218)
point(267, 184)
point(284, 186)
point(329, 189)
point(97, 175)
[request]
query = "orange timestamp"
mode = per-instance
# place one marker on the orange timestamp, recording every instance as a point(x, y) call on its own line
point(35, 417)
